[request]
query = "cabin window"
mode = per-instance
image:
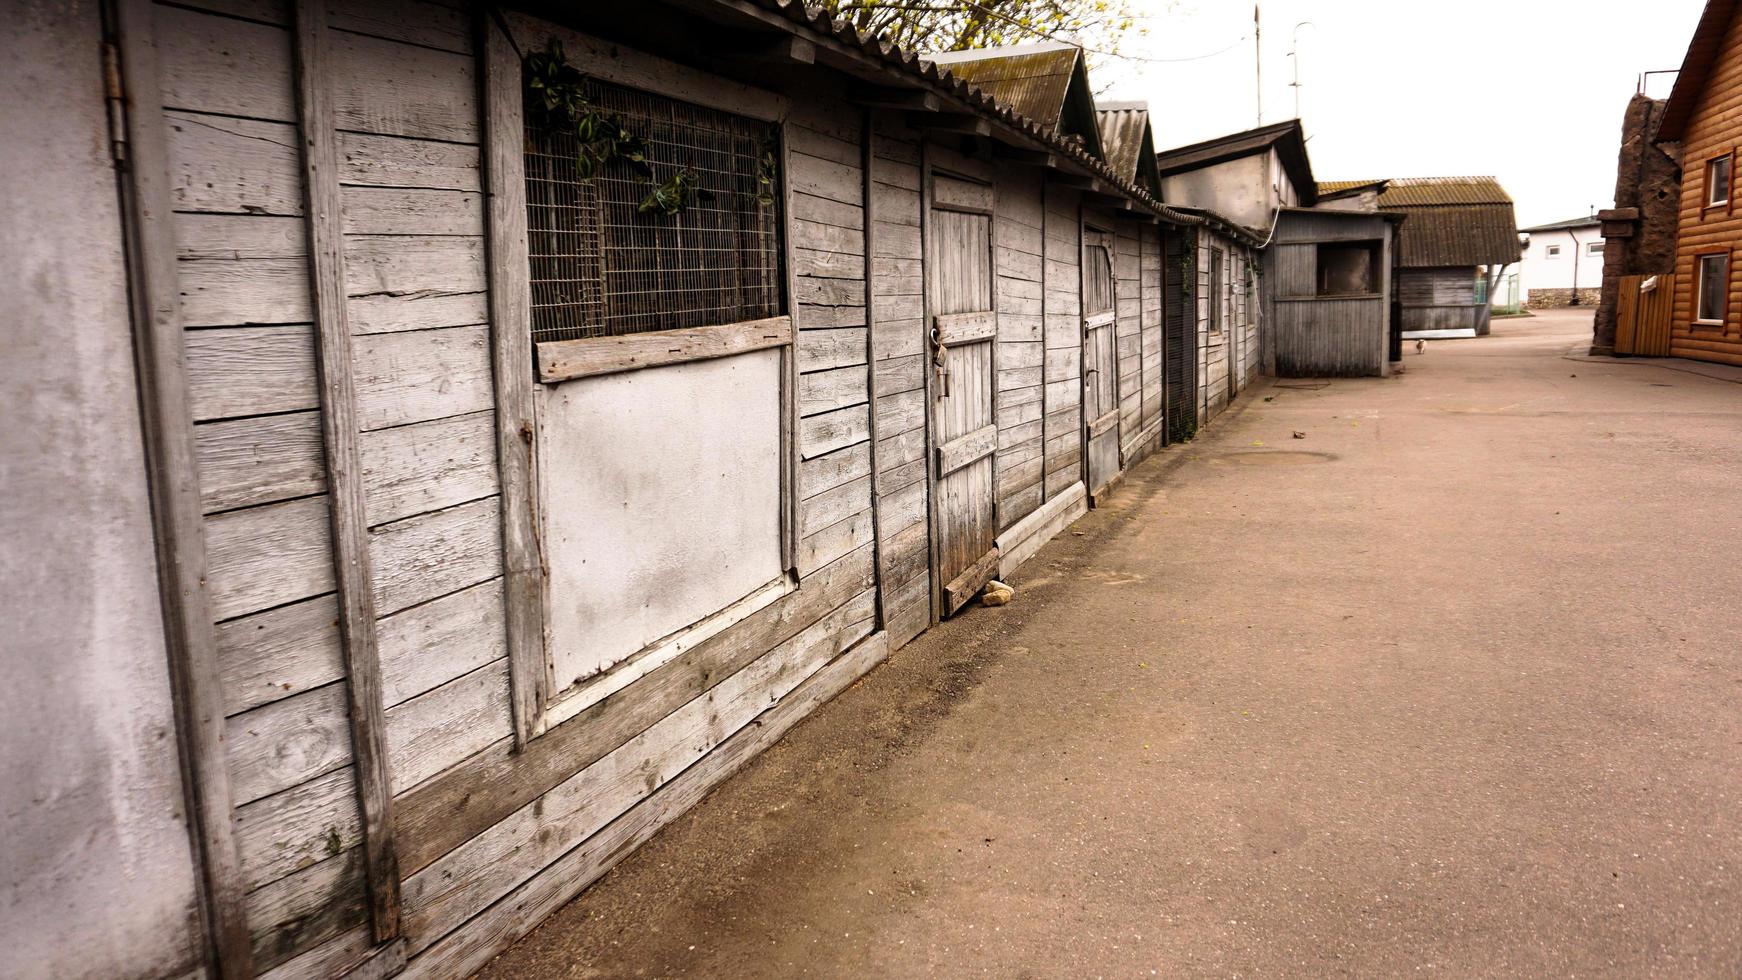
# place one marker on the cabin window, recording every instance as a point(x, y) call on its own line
point(609, 257)
point(1718, 181)
point(1348, 268)
point(1216, 291)
point(1098, 281)
point(1714, 288)
point(1594, 248)
point(1554, 251)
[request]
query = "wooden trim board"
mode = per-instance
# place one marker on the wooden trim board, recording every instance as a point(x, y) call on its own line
point(511, 351)
point(189, 635)
point(1101, 426)
point(965, 328)
point(566, 360)
point(1028, 535)
point(957, 453)
point(968, 584)
point(345, 498)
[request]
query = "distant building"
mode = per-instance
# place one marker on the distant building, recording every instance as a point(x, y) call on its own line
point(1563, 264)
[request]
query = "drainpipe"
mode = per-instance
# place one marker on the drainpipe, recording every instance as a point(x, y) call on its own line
point(1575, 237)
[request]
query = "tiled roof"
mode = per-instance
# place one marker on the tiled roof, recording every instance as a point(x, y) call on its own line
point(1048, 83)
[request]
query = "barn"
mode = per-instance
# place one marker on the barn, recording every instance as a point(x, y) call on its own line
point(484, 430)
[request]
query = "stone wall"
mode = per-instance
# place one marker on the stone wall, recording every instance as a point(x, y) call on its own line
point(1641, 231)
point(1552, 299)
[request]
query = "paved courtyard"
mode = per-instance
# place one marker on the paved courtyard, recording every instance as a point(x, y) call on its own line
point(1451, 685)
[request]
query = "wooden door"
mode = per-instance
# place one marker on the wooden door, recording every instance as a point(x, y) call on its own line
point(1100, 360)
point(964, 433)
point(1643, 313)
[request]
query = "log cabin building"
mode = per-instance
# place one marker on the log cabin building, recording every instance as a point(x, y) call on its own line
point(1702, 116)
point(449, 439)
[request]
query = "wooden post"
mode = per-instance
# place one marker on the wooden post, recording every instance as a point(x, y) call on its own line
point(931, 463)
point(511, 349)
point(867, 159)
point(189, 636)
point(356, 594)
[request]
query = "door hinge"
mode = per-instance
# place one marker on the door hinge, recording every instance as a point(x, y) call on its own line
point(115, 96)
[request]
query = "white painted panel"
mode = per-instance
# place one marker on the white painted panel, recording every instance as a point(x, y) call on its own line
point(660, 493)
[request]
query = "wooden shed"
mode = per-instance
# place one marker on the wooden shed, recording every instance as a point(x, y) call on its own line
point(484, 431)
point(1329, 286)
point(1460, 236)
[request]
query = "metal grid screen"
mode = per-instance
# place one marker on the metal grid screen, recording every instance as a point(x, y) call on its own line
point(602, 267)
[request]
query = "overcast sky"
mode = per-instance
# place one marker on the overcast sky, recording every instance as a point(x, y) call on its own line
point(1530, 91)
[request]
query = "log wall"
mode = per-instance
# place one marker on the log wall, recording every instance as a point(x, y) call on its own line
point(1714, 130)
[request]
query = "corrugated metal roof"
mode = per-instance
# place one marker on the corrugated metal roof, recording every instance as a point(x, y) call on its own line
point(1124, 136)
point(1452, 220)
point(1033, 82)
point(1331, 188)
point(1703, 53)
point(1457, 234)
point(1048, 83)
point(1403, 192)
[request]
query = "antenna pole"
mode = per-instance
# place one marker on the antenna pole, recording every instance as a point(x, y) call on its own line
point(1258, 62)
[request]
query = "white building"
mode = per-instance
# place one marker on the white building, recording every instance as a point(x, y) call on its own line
point(1559, 257)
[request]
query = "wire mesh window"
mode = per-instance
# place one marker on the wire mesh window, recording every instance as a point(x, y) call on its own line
point(602, 267)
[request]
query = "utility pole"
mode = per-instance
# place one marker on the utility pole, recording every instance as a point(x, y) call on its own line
point(1294, 54)
point(1258, 61)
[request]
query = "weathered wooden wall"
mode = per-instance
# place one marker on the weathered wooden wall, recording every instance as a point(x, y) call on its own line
point(1128, 333)
point(900, 360)
point(1438, 298)
point(1021, 352)
point(1062, 369)
point(328, 174)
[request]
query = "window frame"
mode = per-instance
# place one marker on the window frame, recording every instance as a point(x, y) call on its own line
point(1375, 249)
point(1218, 275)
point(1595, 248)
point(1707, 202)
point(1551, 251)
point(521, 371)
point(1695, 319)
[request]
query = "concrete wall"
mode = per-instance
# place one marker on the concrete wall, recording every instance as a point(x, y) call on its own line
point(1237, 189)
point(1540, 270)
point(97, 867)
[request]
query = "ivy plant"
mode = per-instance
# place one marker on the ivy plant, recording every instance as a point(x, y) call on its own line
point(676, 193)
point(557, 95)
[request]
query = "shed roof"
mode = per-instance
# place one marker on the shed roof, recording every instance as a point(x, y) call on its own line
point(1287, 138)
point(1047, 82)
point(1129, 142)
point(1703, 53)
point(1588, 222)
point(1452, 220)
point(846, 47)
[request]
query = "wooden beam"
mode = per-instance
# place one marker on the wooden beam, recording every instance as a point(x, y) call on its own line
point(345, 495)
point(962, 328)
point(883, 97)
point(511, 351)
point(1026, 157)
point(783, 49)
point(564, 360)
point(950, 122)
point(974, 446)
point(189, 636)
point(968, 584)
